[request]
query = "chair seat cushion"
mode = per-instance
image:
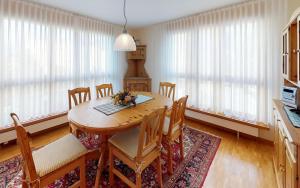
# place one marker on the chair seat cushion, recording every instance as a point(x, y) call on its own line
point(166, 126)
point(128, 141)
point(56, 154)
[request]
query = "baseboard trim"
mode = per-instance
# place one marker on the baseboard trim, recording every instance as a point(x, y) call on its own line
point(258, 125)
point(229, 130)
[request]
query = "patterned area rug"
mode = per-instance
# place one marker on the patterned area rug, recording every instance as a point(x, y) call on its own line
point(200, 150)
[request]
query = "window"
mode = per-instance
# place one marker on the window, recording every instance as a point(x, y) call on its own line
point(221, 62)
point(225, 60)
point(45, 55)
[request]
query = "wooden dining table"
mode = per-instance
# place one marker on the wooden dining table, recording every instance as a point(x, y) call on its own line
point(87, 119)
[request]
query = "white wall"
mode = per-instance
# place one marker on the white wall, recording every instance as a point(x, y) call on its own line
point(292, 6)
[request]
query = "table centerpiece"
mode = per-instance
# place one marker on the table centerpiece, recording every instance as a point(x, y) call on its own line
point(124, 98)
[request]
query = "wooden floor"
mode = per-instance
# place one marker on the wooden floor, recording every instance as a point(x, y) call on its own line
point(243, 163)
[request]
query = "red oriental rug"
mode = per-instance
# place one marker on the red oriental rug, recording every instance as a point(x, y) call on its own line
point(200, 150)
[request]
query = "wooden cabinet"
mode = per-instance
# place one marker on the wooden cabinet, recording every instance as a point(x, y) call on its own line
point(290, 52)
point(285, 153)
point(137, 78)
point(285, 163)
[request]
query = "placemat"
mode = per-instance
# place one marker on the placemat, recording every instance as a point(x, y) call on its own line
point(111, 108)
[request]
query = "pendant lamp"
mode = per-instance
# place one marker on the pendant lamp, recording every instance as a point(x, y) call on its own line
point(125, 42)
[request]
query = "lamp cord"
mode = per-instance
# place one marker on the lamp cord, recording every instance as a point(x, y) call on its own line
point(124, 11)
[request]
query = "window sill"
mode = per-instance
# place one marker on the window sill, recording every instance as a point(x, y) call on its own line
point(34, 121)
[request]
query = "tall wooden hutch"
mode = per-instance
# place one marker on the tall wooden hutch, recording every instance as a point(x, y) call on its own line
point(136, 78)
point(286, 158)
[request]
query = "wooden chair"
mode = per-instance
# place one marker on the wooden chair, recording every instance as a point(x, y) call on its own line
point(138, 148)
point(167, 89)
point(173, 129)
point(104, 90)
point(43, 166)
point(78, 96)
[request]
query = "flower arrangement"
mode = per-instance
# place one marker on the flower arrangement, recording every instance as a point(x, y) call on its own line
point(124, 98)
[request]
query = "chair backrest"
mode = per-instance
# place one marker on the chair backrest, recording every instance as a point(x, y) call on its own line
point(104, 90)
point(79, 95)
point(177, 114)
point(23, 142)
point(167, 89)
point(151, 131)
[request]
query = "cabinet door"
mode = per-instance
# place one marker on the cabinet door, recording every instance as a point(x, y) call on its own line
point(290, 167)
point(276, 142)
point(298, 49)
point(281, 157)
point(138, 87)
point(285, 54)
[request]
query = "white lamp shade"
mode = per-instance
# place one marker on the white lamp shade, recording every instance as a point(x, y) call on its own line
point(125, 42)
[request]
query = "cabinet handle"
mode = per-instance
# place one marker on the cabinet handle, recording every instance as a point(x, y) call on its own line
point(296, 51)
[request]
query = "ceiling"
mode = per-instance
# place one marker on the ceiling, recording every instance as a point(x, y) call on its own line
point(140, 13)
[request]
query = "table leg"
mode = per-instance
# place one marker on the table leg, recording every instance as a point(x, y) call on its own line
point(102, 159)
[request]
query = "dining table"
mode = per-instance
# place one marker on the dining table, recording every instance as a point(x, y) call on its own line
point(90, 120)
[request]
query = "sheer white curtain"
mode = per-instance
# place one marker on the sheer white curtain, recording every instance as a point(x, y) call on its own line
point(226, 60)
point(45, 51)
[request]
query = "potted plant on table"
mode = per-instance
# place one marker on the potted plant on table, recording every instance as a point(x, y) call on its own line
point(124, 98)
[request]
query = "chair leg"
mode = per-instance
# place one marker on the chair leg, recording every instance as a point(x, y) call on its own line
point(74, 130)
point(159, 172)
point(181, 146)
point(170, 158)
point(24, 184)
point(71, 128)
point(65, 181)
point(138, 180)
point(111, 167)
point(82, 173)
